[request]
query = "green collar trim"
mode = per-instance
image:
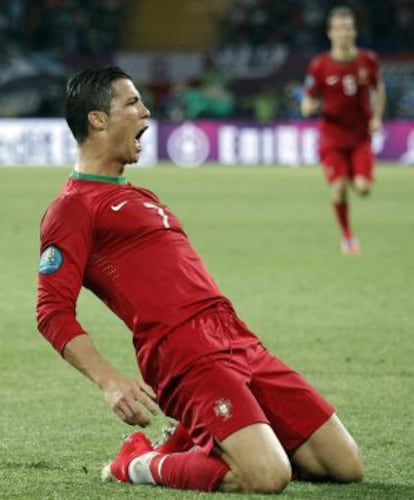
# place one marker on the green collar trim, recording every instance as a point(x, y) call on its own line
point(97, 178)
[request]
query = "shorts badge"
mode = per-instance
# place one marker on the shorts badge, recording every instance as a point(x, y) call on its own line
point(223, 408)
point(50, 260)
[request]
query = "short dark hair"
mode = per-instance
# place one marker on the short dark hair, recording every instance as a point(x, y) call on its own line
point(339, 11)
point(89, 90)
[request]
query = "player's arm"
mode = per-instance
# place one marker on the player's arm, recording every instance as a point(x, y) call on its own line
point(378, 106)
point(122, 393)
point(65, 243)
point(310, 102)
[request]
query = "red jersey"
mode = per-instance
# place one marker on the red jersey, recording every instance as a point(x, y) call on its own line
point(123, 244)
point(344, 87)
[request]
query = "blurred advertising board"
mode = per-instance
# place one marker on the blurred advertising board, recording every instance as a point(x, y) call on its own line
point(48, 142)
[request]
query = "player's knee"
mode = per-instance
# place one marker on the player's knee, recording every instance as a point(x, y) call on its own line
point(269, 478)
point(356, 472)
point(351, 469)
point(350, 473)
point(339, 191)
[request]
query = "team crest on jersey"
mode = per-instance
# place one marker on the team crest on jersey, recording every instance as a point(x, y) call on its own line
point(223, 408)
point(50, 260)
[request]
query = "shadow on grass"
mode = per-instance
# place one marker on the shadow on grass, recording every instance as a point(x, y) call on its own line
point(373, 490)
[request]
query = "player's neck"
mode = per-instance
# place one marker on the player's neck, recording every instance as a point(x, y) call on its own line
point(94, 162)
point(344, 53)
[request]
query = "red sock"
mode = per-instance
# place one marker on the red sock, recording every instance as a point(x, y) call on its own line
point(342, 216)
point(191, 470)
point(179, 441)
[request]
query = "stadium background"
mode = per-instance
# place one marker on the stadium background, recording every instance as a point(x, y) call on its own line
point(223, 78)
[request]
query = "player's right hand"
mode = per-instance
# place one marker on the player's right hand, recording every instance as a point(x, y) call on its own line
point(133, 401)
point(375, 124)
point(309, 106)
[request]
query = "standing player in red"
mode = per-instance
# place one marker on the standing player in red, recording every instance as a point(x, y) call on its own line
point(344, 78)
point(250, 415)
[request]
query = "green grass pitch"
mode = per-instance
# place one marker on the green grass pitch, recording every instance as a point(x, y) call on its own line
point(269, 238)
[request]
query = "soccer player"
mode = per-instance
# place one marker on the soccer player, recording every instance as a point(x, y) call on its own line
point(344, 79)
point(251, 416)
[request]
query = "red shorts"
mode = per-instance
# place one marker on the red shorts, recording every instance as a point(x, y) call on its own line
point(236, 383)
point(349, 163)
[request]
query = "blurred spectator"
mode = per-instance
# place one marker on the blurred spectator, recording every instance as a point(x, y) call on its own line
point(386, 25)
point(263, 106)
point(405, 22)
point(40, 38)
point(254, 70)
point(293, 97)
point(64, 27)
point(189, 101)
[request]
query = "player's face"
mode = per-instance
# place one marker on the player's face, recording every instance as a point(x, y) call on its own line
point(128, 119)
point(342, 32)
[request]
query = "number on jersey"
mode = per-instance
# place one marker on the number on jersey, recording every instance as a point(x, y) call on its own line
point(161, 212)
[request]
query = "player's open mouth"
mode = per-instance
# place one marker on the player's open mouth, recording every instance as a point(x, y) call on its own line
point(138, 137)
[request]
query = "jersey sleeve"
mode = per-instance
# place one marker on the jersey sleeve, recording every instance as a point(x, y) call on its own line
point(312, 86)
point(66, 234)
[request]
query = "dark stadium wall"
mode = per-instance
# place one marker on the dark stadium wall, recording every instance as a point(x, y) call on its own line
point(166, 25)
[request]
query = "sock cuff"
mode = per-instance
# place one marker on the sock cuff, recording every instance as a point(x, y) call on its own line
point(139, 469)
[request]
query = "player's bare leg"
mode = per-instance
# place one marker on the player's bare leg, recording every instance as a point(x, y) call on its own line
point(250, 460)
point(257, 461)
point(329, 454)
point(339, 190)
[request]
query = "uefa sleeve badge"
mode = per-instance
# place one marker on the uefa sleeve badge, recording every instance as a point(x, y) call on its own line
point(50, 260)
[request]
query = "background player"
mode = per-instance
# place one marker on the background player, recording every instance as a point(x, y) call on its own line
point(343, 78)
point(250, 414)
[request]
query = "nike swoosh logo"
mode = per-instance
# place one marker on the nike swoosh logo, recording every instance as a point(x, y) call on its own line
point(118, 207)
point(331, 80)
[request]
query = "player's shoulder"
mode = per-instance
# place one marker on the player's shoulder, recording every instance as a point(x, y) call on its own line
point(320, 60)
point(71, 199)
point(69, 204)
point(147, 193)
point(367, 55)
